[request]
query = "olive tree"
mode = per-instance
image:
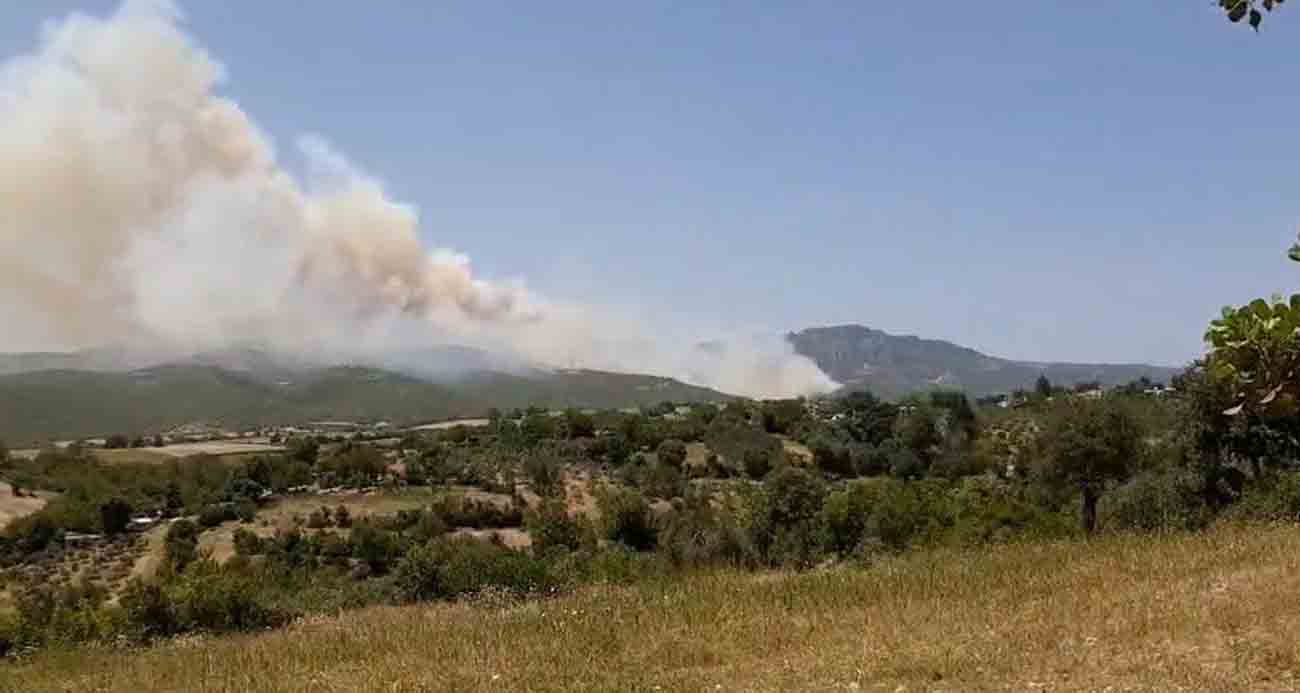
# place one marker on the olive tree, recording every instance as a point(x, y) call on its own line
point(1087, 445)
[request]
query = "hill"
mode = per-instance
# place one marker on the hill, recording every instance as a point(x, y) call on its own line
point(892, 365)
point(59, 404)
point(1195, 612)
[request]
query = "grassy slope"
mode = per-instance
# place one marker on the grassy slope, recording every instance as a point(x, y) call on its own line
point(1209, 612)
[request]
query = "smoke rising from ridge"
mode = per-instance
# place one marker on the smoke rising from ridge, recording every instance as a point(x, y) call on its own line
point(141, 207)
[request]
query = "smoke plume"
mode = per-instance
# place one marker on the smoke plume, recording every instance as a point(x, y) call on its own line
point(141, 207)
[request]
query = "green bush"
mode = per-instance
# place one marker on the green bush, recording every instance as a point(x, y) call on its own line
point(697, 532)
point(672, 452)
point(628, 519)
point(451, 567)
point(1156, 501)
point(552, 529)
point(1273, 498)
point(787, 529)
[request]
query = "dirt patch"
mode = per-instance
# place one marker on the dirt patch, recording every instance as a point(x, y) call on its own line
point(510, 537)
point(798, 452)
point(13, 507)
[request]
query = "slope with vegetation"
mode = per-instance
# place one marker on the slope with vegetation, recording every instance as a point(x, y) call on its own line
point(1208, 612)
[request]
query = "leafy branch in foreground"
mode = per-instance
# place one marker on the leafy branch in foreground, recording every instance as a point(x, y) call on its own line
point(1237, 10)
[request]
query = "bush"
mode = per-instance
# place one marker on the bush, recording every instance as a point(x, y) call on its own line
point(628, 519)
point(208, 597)
point(672, 452)
point(1275, 498)
point(213, 515)
point(181, 544)
point(699, 533)
point(114, 516)
point(320, 518)
point(786, 529)
point(247, 543)
point(552, 529)
point(660, 480)
point(342, 518)
point(1156, 501)
point(546, 474)
point(451, 567)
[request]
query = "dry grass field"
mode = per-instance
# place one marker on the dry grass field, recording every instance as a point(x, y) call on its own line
point(1218, 611)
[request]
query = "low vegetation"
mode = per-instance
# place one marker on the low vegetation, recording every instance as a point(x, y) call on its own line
point(1193, 612)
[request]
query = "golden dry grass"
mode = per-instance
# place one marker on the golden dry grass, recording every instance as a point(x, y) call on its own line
point(1211, 612)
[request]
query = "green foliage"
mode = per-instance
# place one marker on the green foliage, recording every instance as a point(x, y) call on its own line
point(786, 529)
point(672, 452)
point(545, 473)
point(114, 516)
point(451, 567)
point(1276, 498)
point(1237, 10)
point(1089, 443)
point(628, 519)
point(699, 532)
point(181, 544)
point(246, 542)
point(1160, 500)
point(579, 424)
point(1255, 351)
point(783, 416)
point(552, 529)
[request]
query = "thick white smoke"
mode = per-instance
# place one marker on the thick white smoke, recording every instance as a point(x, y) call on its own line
point(140, 207)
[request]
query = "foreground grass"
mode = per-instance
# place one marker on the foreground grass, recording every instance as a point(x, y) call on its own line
point(1218, 611)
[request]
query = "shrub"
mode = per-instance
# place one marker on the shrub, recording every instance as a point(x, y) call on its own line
point(551, 528)
point(213, 515)
point(672, 452)
point(247, 543)
point(1275, 498)
point(628, 519)
point(342, 518)
point(786, 528)
point(181, 544)
point(1159, 500)
point(451, 567)
point(699, 533)
point(545, 472)
point(662, 481)
point(207, 597)
point(320, 518)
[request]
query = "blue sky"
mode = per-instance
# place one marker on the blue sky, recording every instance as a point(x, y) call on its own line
point(1049, 181)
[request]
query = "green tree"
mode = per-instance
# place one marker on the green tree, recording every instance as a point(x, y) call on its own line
point(114, 516)
point(1043, 386)
point(1237, 10)
point(579, 425)
point(1088, 444)
point(672, 452)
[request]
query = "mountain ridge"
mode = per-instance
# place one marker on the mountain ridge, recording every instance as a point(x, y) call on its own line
point(861, 357)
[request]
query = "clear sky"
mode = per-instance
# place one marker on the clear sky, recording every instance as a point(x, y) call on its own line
point(1049, 181)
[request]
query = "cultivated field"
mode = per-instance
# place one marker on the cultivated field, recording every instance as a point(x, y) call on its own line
point(285, 514)
point(1218, 611)
point(220, 448)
